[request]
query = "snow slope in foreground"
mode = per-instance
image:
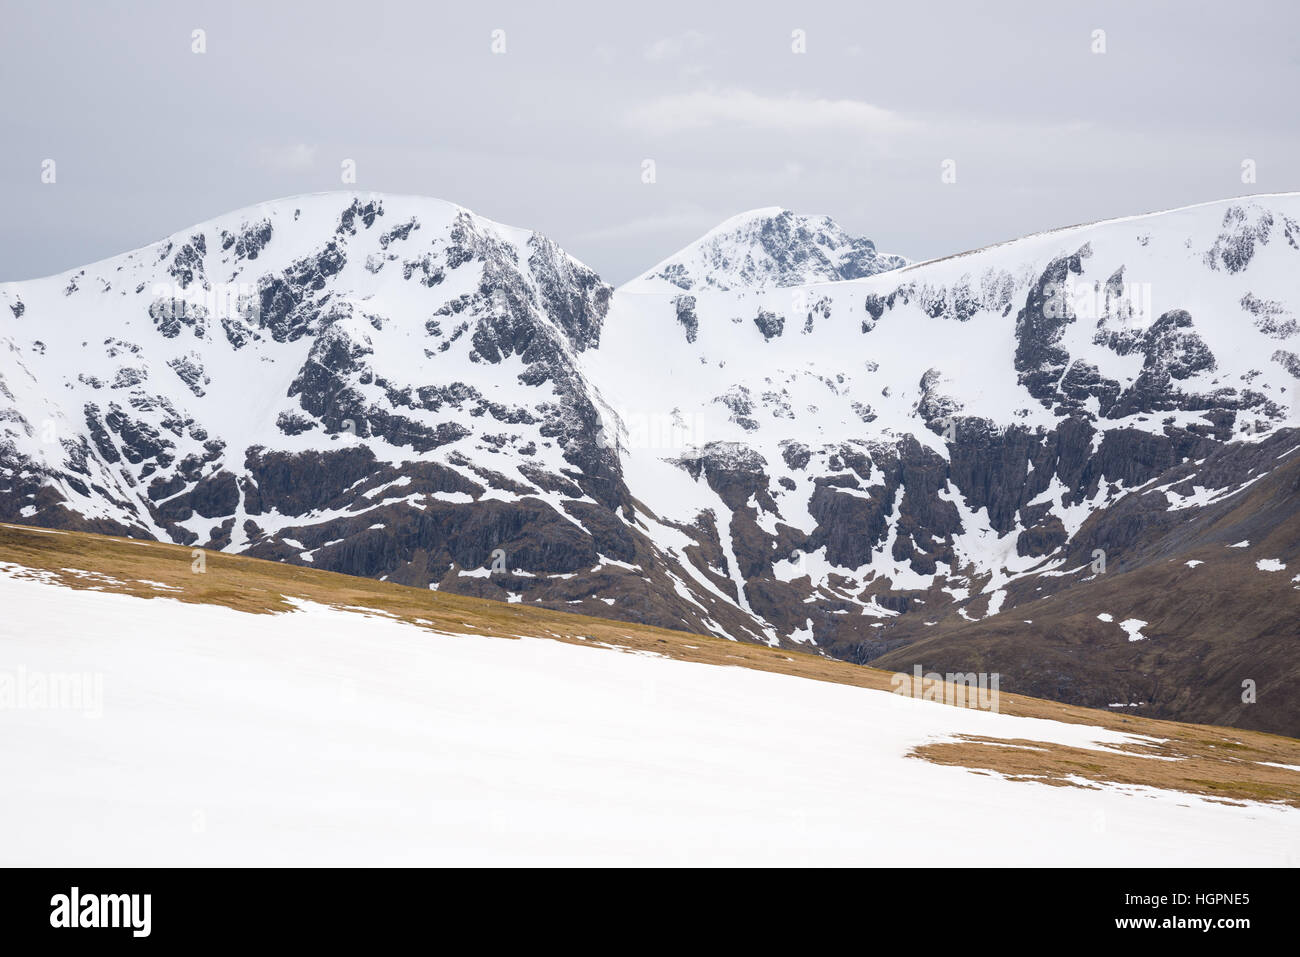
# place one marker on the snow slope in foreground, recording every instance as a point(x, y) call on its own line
point(329, 737)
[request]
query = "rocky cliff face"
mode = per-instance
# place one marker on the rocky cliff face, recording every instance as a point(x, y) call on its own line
point(961, 463)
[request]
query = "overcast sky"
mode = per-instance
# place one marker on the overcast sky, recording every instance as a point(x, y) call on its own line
point(149, 137)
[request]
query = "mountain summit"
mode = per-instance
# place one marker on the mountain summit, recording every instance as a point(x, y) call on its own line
point(766, 248)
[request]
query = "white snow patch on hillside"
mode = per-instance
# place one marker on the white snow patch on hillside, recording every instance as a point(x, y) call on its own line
point(1133, 628)
point(323, 737)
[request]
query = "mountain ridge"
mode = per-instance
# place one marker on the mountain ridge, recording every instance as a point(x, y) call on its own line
point(398, 388)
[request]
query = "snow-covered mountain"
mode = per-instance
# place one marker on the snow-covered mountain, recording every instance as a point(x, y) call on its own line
point(749, 440)
point(764, 248)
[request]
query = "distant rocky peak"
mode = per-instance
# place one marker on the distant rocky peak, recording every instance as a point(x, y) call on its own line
point(765, 248)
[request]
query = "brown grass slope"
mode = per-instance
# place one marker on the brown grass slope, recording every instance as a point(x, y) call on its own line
point(1210, 628)
point(1220, 763)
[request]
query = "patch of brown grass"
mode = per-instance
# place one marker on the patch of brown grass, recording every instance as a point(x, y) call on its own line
point(1194, 768)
